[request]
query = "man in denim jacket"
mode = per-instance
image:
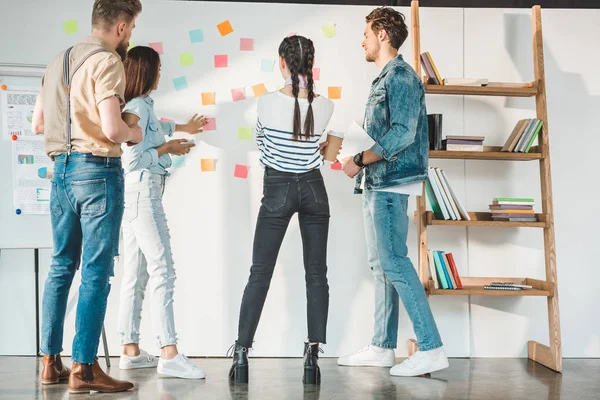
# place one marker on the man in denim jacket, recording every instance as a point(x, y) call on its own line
point(391, 170)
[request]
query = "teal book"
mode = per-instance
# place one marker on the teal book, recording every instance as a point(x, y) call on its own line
point(439, 267)
point(435, 206)
point(535, 134)
point(446, 272)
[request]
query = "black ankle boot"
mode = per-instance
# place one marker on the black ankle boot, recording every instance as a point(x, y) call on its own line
point(312, 373)
point(239, 369)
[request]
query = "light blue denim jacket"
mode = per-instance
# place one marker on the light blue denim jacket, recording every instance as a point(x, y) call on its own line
point(396, 119)
point(144, 154)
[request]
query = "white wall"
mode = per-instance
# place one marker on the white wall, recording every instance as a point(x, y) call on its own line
point(212, 217)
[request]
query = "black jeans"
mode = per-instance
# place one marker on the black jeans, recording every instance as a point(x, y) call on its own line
point(285, 194)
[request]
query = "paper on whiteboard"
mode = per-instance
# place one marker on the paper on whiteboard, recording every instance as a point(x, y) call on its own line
point(32, 171)
point(355, 141)
point(17, 111)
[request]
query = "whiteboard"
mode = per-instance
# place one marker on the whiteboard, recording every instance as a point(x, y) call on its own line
point(18, 231)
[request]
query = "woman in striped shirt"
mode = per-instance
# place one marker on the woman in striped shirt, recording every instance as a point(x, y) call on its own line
point(289, 128)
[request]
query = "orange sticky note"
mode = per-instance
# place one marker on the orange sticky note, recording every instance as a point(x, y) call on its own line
point(207, 165)
point(208, 98)
point(334, 92)
point(241, 171)
point(259, 89)
point(225, 28)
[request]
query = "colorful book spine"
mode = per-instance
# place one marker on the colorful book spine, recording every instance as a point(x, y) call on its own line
point(440, 270)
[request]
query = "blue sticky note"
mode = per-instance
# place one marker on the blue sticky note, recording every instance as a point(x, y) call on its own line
point(196, 36)
point(180, 83)
point(178, 161)
point(267, 65)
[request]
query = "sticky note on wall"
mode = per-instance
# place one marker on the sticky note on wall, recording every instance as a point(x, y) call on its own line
point(245, 133)
point(207, 164)
point(316, 74)
point(246, 44)
point(259, 89)
point(180, 83)
point(328, 30)
point(241, 171)
point(267, 65)
point(211, 124)
point(158, 46)
point(221, 61)
point(196, 36)
point(334, 92)
point(208, 98)
point(178, 161)
point(186, 59)
point(238, 94)
point(70, 27)
point(225, 28)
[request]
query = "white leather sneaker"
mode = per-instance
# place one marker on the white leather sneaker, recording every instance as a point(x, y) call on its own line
point(144, 360)
point(369, 356)
point(180, 367)
point(422, 362)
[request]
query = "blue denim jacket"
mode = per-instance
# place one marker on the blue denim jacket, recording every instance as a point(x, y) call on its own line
point(396, 119)
point(144, 154)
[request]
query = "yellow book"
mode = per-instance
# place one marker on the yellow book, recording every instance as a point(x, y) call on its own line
point(435, 70)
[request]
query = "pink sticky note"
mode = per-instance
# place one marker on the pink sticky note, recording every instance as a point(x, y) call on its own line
point(221, 61)
point(336, 166)
point(167, 120)
point(292, 34)
point(211, 124)
point(316, 74)
point(246, 44)
point(241, 171)
point(156, 46)
point(238, 94)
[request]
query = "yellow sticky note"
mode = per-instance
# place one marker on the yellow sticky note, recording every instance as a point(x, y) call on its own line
point(186, 59)
point(131, 46)
point(208, 99)
point(245, 133)
point(328, 30)
point(334, 92)
point(207, 165)
point(71, 26)
point(259, 89)
point(225, 28)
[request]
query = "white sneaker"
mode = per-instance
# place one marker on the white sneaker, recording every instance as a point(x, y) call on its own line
point(180, 367)
point(369, 356)
point(422, 362)
point(144, 360)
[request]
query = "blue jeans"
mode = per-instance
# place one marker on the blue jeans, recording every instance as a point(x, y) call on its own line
point(386, 228)
point(148, 260)
point(86, 207)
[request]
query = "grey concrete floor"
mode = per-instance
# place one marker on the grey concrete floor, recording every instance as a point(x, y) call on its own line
point(281, 379)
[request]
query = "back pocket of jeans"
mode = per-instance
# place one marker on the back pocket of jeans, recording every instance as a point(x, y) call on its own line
point(90, 196)
point(275, 195)
point(319, 192)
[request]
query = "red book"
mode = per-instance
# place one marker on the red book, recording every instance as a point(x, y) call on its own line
point(454, 270)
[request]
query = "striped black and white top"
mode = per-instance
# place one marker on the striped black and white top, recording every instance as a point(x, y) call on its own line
point(274, 127)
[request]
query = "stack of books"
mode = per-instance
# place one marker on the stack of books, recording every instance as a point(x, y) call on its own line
point(443, 271)
point(433, 75)
point(506, 286)
point(442, 199)
point(513, 209)
point(523, 135)
point(465, 81)
point(463, 143)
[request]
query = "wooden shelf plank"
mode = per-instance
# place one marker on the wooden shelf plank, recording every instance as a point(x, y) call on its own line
point(485, 219)
point(474, 287)
point(488, 153)
point(492, 89)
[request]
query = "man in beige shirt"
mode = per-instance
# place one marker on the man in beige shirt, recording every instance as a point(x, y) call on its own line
point(79, 112)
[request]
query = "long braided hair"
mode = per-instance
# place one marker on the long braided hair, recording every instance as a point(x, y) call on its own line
point(299, 55)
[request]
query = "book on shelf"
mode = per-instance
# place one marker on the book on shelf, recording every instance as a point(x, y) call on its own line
point(444, 202)
point(463, 143)
point(523, 135)
point(431, 70)
point(434, 125)
point(465, 81)
point(511, 209)
point(443, 271)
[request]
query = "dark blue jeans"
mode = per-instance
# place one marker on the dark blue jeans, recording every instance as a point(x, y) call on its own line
point(86, 207)
point(285, 194)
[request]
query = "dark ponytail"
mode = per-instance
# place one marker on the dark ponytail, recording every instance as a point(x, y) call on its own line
point(299, 55)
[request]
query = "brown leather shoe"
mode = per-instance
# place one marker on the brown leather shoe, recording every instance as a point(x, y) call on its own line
point(53, 370)
point(87, 378)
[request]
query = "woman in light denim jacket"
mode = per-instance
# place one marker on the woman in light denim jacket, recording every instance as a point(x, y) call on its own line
point(147, 243)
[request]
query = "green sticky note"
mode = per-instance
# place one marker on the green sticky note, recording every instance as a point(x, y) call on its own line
point(70, 27)
point(328, 30)
point(131, 46)
point(245, 133)
point(186, 59)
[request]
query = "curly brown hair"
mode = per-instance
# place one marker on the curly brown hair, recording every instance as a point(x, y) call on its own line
point(392, 22)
